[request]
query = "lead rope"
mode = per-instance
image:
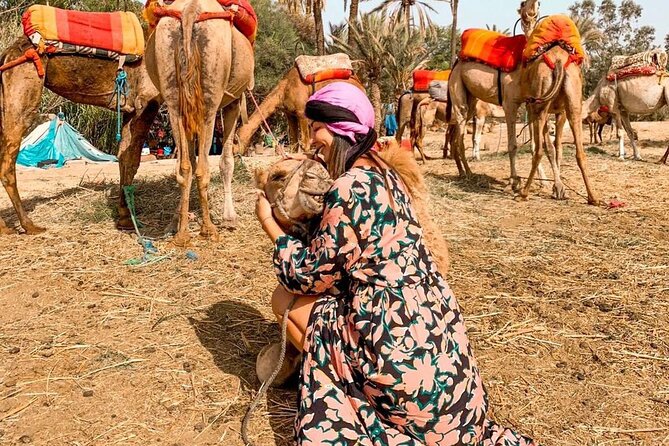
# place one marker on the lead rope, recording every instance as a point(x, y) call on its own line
point(121, 88)
point(263, 388)
point(267, 127)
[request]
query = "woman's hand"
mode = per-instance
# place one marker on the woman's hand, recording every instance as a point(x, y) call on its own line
point(263, 207)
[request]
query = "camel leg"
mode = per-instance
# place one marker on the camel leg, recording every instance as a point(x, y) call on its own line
point(304, 132)
point(621, 138)
point(551, 152)
point(133, 135)
point(227, 165)
point(663, 160)
point(600, 129)
point(560, 121)
point(184, 174)
point(573, 115)
point(21, 93)
point(293, 131)
point(625, 118)
point(203, 177)
point(539, 125)
point(420, 136)
point(479, 123)
point(510, 112)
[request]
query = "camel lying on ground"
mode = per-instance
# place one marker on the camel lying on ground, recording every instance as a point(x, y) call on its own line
point(203, 66)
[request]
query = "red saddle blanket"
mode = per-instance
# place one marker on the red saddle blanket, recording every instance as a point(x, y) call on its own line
point(632, 71)
point(422, 78)
point(113, 31)
point(492, 48)
point(554, 30)
point(244, 16)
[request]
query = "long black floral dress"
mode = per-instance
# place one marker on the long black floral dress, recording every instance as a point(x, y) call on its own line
point(387, 360)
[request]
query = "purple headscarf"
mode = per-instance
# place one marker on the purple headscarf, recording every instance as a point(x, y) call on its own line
point(349, 97)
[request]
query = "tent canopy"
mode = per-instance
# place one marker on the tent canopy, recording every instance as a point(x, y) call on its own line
point(55, 142)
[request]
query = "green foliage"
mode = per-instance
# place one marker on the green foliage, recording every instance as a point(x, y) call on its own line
point(619, 26)
point(439, 48)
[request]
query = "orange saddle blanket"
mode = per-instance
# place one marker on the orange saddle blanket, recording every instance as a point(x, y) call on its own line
point(112, 31)
point(422, 78)
point(244, 16)
point(633, 71)
point(554, 30)
point(492, 48)
point(314, 69)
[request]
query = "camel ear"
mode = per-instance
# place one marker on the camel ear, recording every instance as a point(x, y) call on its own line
point(261, 176)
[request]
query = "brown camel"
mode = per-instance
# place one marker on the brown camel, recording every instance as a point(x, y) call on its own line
point(596, 121)
point(289, 95)
point(203, 66)
point(83, 80)
point(473, 80)
point(559, 91)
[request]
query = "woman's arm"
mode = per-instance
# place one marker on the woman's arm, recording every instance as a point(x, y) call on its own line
point(266, 218)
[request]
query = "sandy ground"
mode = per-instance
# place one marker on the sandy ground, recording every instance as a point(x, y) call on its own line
point(567, 306)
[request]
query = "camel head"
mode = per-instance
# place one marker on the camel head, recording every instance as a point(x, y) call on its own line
point(529, 15)
point(296, 189)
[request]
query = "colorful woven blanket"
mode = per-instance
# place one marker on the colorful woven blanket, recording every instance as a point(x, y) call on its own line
point(422, 78)
point(632, 71)
point(552, 31)
point(118, 32)
point(244, 18)
point(322, 68)
point(656, 58)
point(492, 48)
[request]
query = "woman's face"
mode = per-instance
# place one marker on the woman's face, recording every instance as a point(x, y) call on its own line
point(321, 139)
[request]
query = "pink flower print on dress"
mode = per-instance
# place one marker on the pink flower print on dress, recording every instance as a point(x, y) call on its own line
point(419, 376)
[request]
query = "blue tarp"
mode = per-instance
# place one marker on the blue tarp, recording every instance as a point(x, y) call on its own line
point(54, 143)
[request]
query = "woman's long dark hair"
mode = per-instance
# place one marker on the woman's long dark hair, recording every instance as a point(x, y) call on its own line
point(339, 151)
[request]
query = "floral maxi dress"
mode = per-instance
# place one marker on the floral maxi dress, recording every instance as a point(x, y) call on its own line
point(387, 359)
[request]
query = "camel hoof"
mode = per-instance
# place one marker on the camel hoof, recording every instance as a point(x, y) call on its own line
point(209, 232)
point(559, 192)
point(125, 224)
point(595, 201)
point(32, 229)
point(268, 359)
point(515, 185)
point(230, 223)
point(181, 239)
point(638, 158)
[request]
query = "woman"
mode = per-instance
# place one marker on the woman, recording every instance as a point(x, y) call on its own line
point(386, 355)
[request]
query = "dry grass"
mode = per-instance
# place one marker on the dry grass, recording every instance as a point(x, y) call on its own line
point(567, 308)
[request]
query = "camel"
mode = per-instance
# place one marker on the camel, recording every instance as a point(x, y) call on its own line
point(83, 80)
point(204, 65)
point(596, 121)
point(555, 90)
point(289, 95)
point(633, 95)
point(473, 80)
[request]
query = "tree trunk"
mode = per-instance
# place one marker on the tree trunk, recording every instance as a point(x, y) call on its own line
point(407, 19)
point(318, 22)
point(352, 17)
point(376, 103)
point(454, 31)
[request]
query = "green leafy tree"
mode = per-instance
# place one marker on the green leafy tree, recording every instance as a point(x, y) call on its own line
point(439, 48)
point(412, 13)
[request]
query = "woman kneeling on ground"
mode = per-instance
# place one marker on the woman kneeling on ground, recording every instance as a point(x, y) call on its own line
point(386, 358)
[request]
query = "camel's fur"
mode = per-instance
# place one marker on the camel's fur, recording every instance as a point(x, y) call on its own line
point(470, 81)
point(596, 121)
point(201, 68)
point(290, 95)
point(82, 80)
point(555, 91)
point(630, 96)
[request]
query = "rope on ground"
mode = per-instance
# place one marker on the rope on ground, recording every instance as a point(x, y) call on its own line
point(263, 388)
point(149, 250)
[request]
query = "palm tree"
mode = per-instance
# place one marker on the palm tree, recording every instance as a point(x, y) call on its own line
point(591, 36)
point(454, 30)
point(352, 14)
point(310, 7)
point(404, 10)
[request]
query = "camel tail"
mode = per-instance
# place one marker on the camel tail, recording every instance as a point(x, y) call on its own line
point(267, 108)
point(558, 79)
point(188, 61)
point(449, 106)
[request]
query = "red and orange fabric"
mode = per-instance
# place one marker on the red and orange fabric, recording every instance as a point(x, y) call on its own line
point(422, 78)
point(327, 75)
point(554, 30)
point(633, 71)
point(244, 18)
point(113, 31)
point(492, 48)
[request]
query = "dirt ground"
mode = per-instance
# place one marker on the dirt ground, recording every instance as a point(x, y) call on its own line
point(567, 306)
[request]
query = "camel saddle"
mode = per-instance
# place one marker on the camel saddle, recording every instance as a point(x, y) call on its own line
point(315, 69)
point(423, 78)
point(439, 90)
point(491, 48)
point(555, 30)
point(98, 34)
point(244, 17)
point(654, 58)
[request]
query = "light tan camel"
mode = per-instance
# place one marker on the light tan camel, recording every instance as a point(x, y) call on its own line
point(202, 66)
point(473, 80)
point(288, 183)
point(83, 80)
point(559, 91)
point(290, 95)
point(633, 95)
